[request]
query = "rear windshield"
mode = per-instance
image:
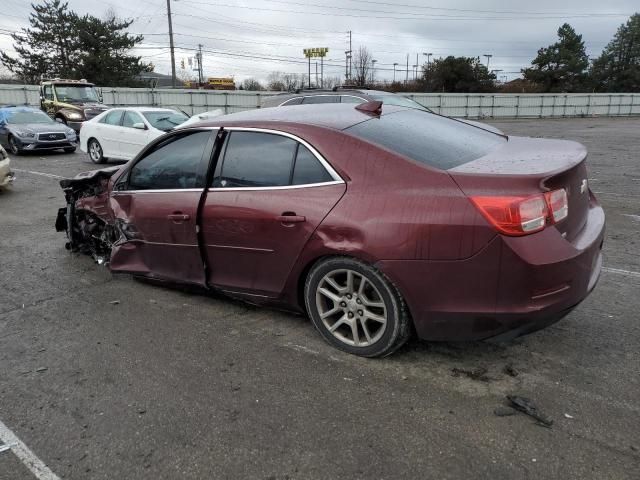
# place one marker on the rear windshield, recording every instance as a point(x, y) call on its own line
point(399, 101)
point(436, 141)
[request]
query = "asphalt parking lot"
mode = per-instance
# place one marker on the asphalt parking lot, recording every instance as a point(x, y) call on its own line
point(105, 377)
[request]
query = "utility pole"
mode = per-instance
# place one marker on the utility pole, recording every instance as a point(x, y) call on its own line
point(415, 77)
point(488, 55)
point(309, 71)
point(394, 72)
point(316, 73)
point(406, 79)
point(200, 74)
point(173, 58)
point(350, 55)
point(321, 72)
point(428, 55)
point(373, 70)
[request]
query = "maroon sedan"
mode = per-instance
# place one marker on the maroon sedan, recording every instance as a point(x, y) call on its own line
point(374, 220)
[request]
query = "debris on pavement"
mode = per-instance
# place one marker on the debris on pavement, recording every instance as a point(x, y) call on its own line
point(504, 411)
point(527, 407)
point(41, 369)
point(114, 302)
point(479, 373)
point(566, 415)
point(510, 370)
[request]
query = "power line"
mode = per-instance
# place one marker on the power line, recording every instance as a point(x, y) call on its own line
point(406, 17)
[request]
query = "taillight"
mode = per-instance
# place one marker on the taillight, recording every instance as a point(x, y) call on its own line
point(558, 204)
point(523, 215)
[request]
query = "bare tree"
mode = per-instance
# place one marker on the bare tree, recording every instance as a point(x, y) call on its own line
point(276, 82)
point(362, 64)
point(330, 82)
point(252, 84)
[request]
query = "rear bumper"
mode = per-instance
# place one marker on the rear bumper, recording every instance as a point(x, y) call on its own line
point(514, 286)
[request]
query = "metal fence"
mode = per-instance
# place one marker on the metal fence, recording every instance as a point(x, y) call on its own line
point(472, 105)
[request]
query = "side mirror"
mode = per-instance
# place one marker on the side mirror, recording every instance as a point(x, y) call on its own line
point(59, 120)
point(140, 126)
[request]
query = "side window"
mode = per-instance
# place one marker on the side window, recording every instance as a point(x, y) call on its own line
point(130, 118)
point(48, 92)
point(321, 99)
point(255, 159)
point(173, 164)
point(308, 168)
point(350, 99)
point(293, 101)
point(112, 118)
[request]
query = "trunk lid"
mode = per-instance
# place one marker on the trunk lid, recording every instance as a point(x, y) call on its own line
point(527, 166)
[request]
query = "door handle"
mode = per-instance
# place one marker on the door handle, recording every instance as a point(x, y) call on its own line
point(178, 217)
point(291, 218)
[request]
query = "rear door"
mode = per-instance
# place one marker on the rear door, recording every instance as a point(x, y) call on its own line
point(107, 132)
point(269, 193)
point(155, 205)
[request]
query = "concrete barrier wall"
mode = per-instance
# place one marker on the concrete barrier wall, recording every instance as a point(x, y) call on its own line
point(471, 105)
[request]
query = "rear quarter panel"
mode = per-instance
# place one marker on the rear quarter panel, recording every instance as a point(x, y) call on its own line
point(393, 209)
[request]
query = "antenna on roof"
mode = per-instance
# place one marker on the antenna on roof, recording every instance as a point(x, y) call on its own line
point(373, 107)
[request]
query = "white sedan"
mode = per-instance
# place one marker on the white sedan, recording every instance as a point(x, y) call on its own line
point(120, 133)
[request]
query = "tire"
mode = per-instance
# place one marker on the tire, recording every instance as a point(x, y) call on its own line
point(70, 150)
point(95, 151)
point(13, 146)
point(369, 318)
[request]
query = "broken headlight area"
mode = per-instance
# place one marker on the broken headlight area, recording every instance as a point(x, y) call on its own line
point(87, 232)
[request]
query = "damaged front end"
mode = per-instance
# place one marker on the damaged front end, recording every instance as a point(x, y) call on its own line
point(86, 218)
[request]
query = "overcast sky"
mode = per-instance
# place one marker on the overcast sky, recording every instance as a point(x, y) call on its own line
point(250, 38)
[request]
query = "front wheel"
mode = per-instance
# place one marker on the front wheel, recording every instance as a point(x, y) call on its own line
point(95, 151)
point(356, 308)
point(13, 146)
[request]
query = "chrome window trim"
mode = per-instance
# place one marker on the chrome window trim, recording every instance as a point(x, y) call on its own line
point(278, 187)
point(327, 166)
point(157, 190)
point(287, 101)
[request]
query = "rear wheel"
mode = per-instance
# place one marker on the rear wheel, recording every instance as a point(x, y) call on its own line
point(356, 308)
point(95, 151)
point(13, 146)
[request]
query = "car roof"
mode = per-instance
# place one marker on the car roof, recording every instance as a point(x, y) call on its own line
point(338, 116)
point(20, 108)
point(146, 109)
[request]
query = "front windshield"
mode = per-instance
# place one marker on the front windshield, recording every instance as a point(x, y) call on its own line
point(28, 117)
point(399, 101)
point(165, 120)
point(76, 93)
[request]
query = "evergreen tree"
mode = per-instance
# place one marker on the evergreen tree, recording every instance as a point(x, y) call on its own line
point(59, 43)
point(49, 47)
point(618, 68)
point(457, 74)
point(561, 67)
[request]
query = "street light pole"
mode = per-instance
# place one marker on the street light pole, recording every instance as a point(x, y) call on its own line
point(394, 72)
point(373, 69)
point(488, 55)
point(173, 57)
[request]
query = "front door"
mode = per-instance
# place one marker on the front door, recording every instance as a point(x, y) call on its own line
point(156, 206)
point(132, 140)
point(269, 194)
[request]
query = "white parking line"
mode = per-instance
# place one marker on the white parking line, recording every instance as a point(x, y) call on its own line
point(50, 175)
point(26, 456)
point(620, 271)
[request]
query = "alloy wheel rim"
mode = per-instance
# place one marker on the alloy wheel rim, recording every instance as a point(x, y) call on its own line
point(351, 308)
point(13, 146)
point(95, 151)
